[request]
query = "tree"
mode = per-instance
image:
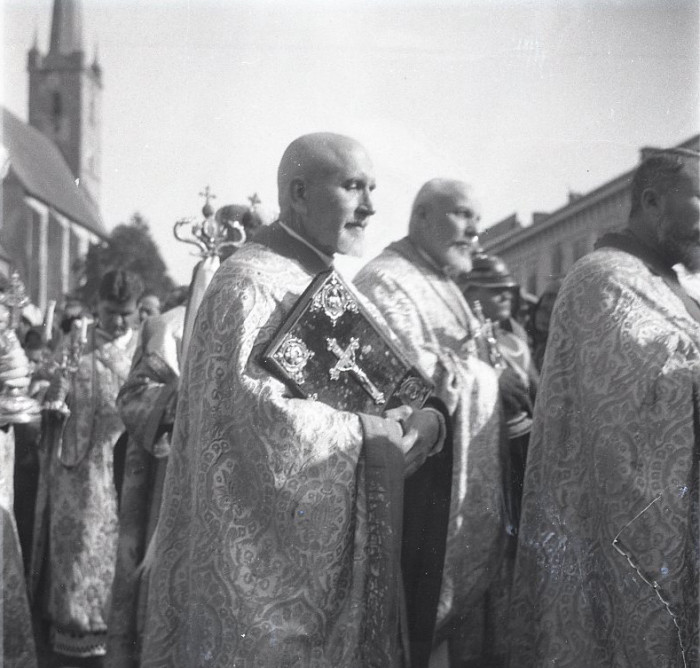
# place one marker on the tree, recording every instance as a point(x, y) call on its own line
point(131, 247)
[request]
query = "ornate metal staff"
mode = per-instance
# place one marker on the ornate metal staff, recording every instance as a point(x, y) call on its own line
point(16, 406)
point(488, 334)
point(211, 234)
point(70, 362)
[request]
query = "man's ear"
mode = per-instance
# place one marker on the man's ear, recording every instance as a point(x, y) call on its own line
point(421, 212)
point(652, 202)
point(297, 195)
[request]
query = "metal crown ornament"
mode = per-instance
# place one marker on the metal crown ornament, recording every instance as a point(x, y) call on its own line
point(212, 234)
point(16, 407)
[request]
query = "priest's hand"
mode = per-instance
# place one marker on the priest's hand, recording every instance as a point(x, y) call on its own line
point(423, 434)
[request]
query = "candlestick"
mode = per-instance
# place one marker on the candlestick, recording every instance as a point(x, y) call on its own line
point(83, 330)
point(48, 321)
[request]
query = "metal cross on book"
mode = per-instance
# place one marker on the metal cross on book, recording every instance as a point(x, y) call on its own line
point(346, 364)
point(331, 349)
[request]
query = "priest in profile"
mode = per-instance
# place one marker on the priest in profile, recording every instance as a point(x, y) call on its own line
point(456, 592)
point(279, 535)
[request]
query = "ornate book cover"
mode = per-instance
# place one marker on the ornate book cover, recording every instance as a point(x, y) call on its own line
point(330, 349)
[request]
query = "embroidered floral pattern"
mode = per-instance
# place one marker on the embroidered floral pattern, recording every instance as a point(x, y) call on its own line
point(607, 568)
point(263, 555)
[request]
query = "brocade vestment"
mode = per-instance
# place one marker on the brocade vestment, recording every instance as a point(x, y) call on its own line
point(429, 315)
point(278, 537)
point(607, 561)
point(147, 406)
point(17, 637)
point(76, 526)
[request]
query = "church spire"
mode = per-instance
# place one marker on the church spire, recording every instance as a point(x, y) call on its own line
point(66, 27)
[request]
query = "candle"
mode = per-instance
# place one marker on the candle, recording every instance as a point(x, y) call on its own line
point(48, 321)
point(83, 330)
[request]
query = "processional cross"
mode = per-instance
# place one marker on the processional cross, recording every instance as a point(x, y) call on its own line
point(346, 364)
point(208, 195)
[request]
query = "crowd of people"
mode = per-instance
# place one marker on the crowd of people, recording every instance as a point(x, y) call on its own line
point(179, 504)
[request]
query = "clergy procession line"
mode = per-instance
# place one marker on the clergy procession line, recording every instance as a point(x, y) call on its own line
point(482, 480)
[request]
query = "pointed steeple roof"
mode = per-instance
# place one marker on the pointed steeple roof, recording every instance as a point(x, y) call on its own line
point(66, 27)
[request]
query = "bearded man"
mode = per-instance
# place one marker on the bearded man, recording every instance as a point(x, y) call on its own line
point(411, 283)
point(279, 534)
point(76, 529)
point(607, 565)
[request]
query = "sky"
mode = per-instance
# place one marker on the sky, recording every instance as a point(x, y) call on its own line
point(525, 100)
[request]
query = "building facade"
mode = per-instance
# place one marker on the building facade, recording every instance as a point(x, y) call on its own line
point(548, 247)
point(51, 174)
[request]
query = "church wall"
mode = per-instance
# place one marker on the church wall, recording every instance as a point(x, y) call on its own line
point(74, 255)
point(16, 232)
point(54, 286)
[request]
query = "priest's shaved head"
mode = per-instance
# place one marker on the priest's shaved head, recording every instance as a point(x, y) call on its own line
point(444, 223)
point(325, 182)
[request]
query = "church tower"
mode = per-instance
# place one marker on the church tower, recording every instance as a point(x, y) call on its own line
point(65, 96)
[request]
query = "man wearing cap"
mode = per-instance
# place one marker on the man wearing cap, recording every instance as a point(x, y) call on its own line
point(607, 566)
point(278, 540)
point(411, 282)
point(492, 293)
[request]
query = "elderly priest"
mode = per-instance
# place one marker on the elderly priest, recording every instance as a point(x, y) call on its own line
point(279, 536)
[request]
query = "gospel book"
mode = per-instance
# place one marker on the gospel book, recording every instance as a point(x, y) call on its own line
point(332, 350)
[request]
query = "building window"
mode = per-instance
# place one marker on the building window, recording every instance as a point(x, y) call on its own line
point(56, 110)
point(557, 260)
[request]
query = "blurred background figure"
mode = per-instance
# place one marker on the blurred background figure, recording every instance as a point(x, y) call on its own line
point(491, 284)
point(147, 403)
point(522, 312)
point(26, 446)
point(73, 310)
point(489, 288)
point(149, 305)
point(176, 297)
point(539, 320)
point(75, 537)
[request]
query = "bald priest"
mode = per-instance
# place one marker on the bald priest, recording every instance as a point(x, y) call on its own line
point(279, 536)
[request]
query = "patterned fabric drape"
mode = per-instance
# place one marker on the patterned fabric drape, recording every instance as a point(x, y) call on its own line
point(277, 536)
point(607, 567)
point(431, 319)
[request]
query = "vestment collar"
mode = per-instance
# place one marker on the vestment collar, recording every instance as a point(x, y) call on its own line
point(627, 242)
point(328, 259)
point(442, 282)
